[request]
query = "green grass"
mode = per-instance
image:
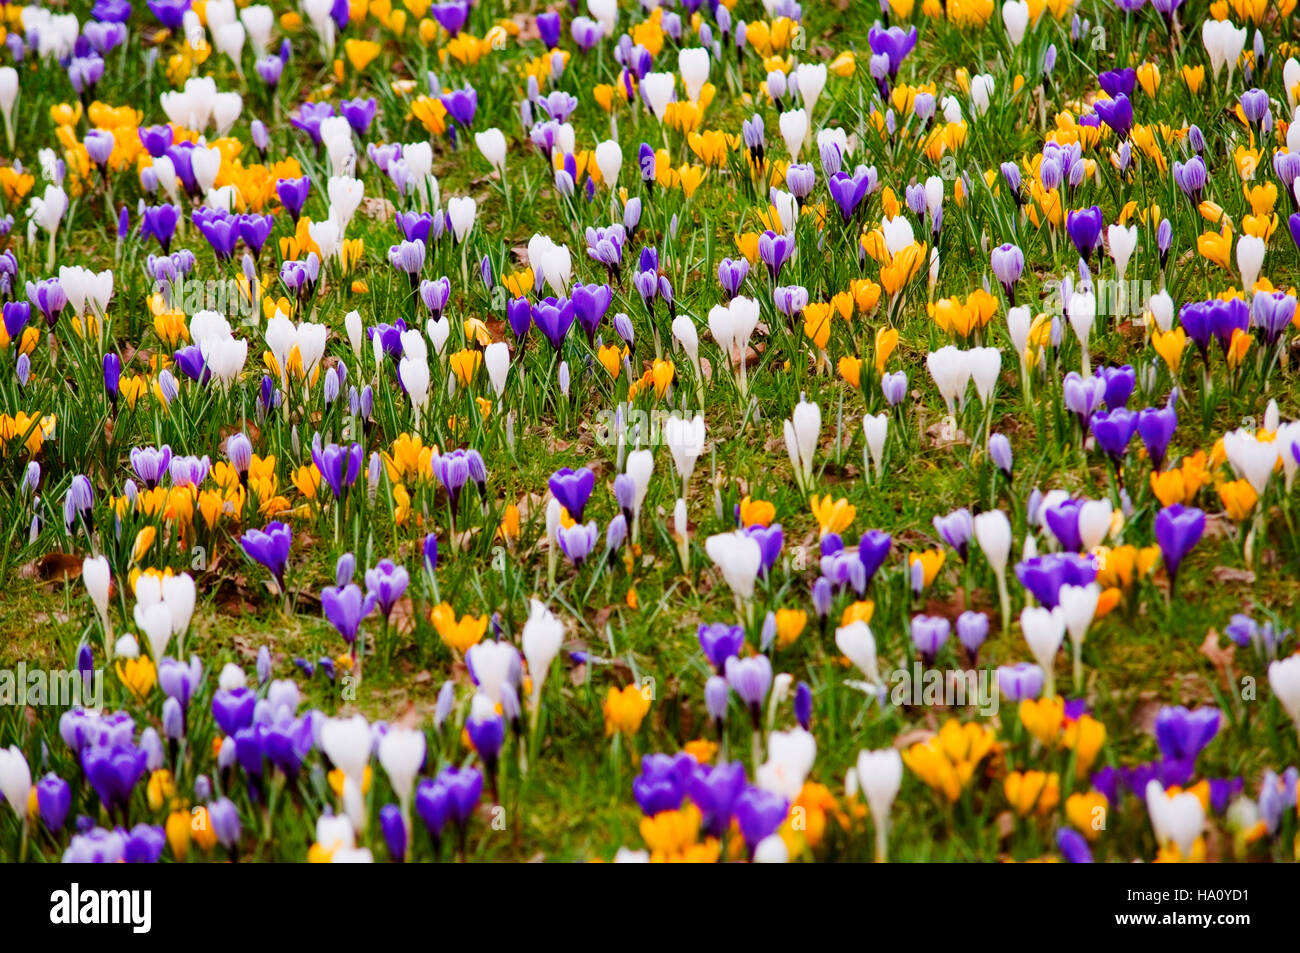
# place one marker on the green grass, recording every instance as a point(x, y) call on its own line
point(575, 802)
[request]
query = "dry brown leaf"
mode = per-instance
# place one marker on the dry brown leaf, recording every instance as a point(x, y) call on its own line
point(1220, 658)
point(1232, 574)
point(53, 566)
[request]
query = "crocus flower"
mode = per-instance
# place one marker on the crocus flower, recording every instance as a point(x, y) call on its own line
point(1178, 529)
point(1084, 229)
point(386, 583)
point(270, 547)
point(573, 489)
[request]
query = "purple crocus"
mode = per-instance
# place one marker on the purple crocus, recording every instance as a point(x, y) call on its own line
point(929, 633)
point(573, 489)
point(270, 547)
point(293, 195)
point(554, 316)
point(1045, 575)
point(1178, 529)
point(234, 709)
point(721, 642)
point(1116, 113)
point(732, 273)
point(1182, 734)
point(1113, 429)
point(759, 814)
point(345, 608)
point(750, 678)
point(1156, 426)
point(663, 782)
point(590, 303)
point(714, 791)
point(1084, 228)
point(972, 631)
point(386, 583)
point(1008, 263)
point(113, 771)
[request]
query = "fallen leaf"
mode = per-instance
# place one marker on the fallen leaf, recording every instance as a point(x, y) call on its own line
point(1232, 574)
point(53, 566)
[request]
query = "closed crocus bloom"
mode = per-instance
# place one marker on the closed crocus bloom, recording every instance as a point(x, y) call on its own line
point(155, 623)
point(1175, 820)
point(1122, 242)
point(693, 64)
point(492, 144)
point(461, 212)
point(1223, 42)
point(985, 365)
point(1250, 258)
point(1083, 315)
point(950, 368)
point(794, 130)
point(658, 89)
point(356, 332)
point(1015, 17)
point(97, 576)
point(1161, 307)
point(802, 432)
point(858, 643)
point(1094, 523)
point(609, 160)
point(1252, 459)
point(811, 79)
point(686, 335)
point(875, 428)
point(879, 776)
point(179, 595)
point(1284, 679)
point(496, 357)
point(346, 742)
point(8, 96)
point(1044, 631)
point(542, 637)
point(981, 92)
point(1019, 323)
point(993, 534)
point(401, 752)
point(1078, 604)
point(739, 557)
point(15, 780)
point(685, 440)
point(790, 756)
point(640, 467)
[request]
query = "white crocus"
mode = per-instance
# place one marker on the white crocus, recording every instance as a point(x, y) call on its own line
point(950, 368)
point(858, 644)
point(1015, 17)
point(492, 144)
point(685, 440)
point(875, 429)
point(794, 130)
point(880, 775)
point(993, 534)
point(738, 556)
point(496, 358)
point(1044, 631)
point(1250, 258)
point(98, 577)
point(693, 64)
point(1284, 679)
point(542, 637)
point(802, 432)
point(1176, 820)
point(1078, 605)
